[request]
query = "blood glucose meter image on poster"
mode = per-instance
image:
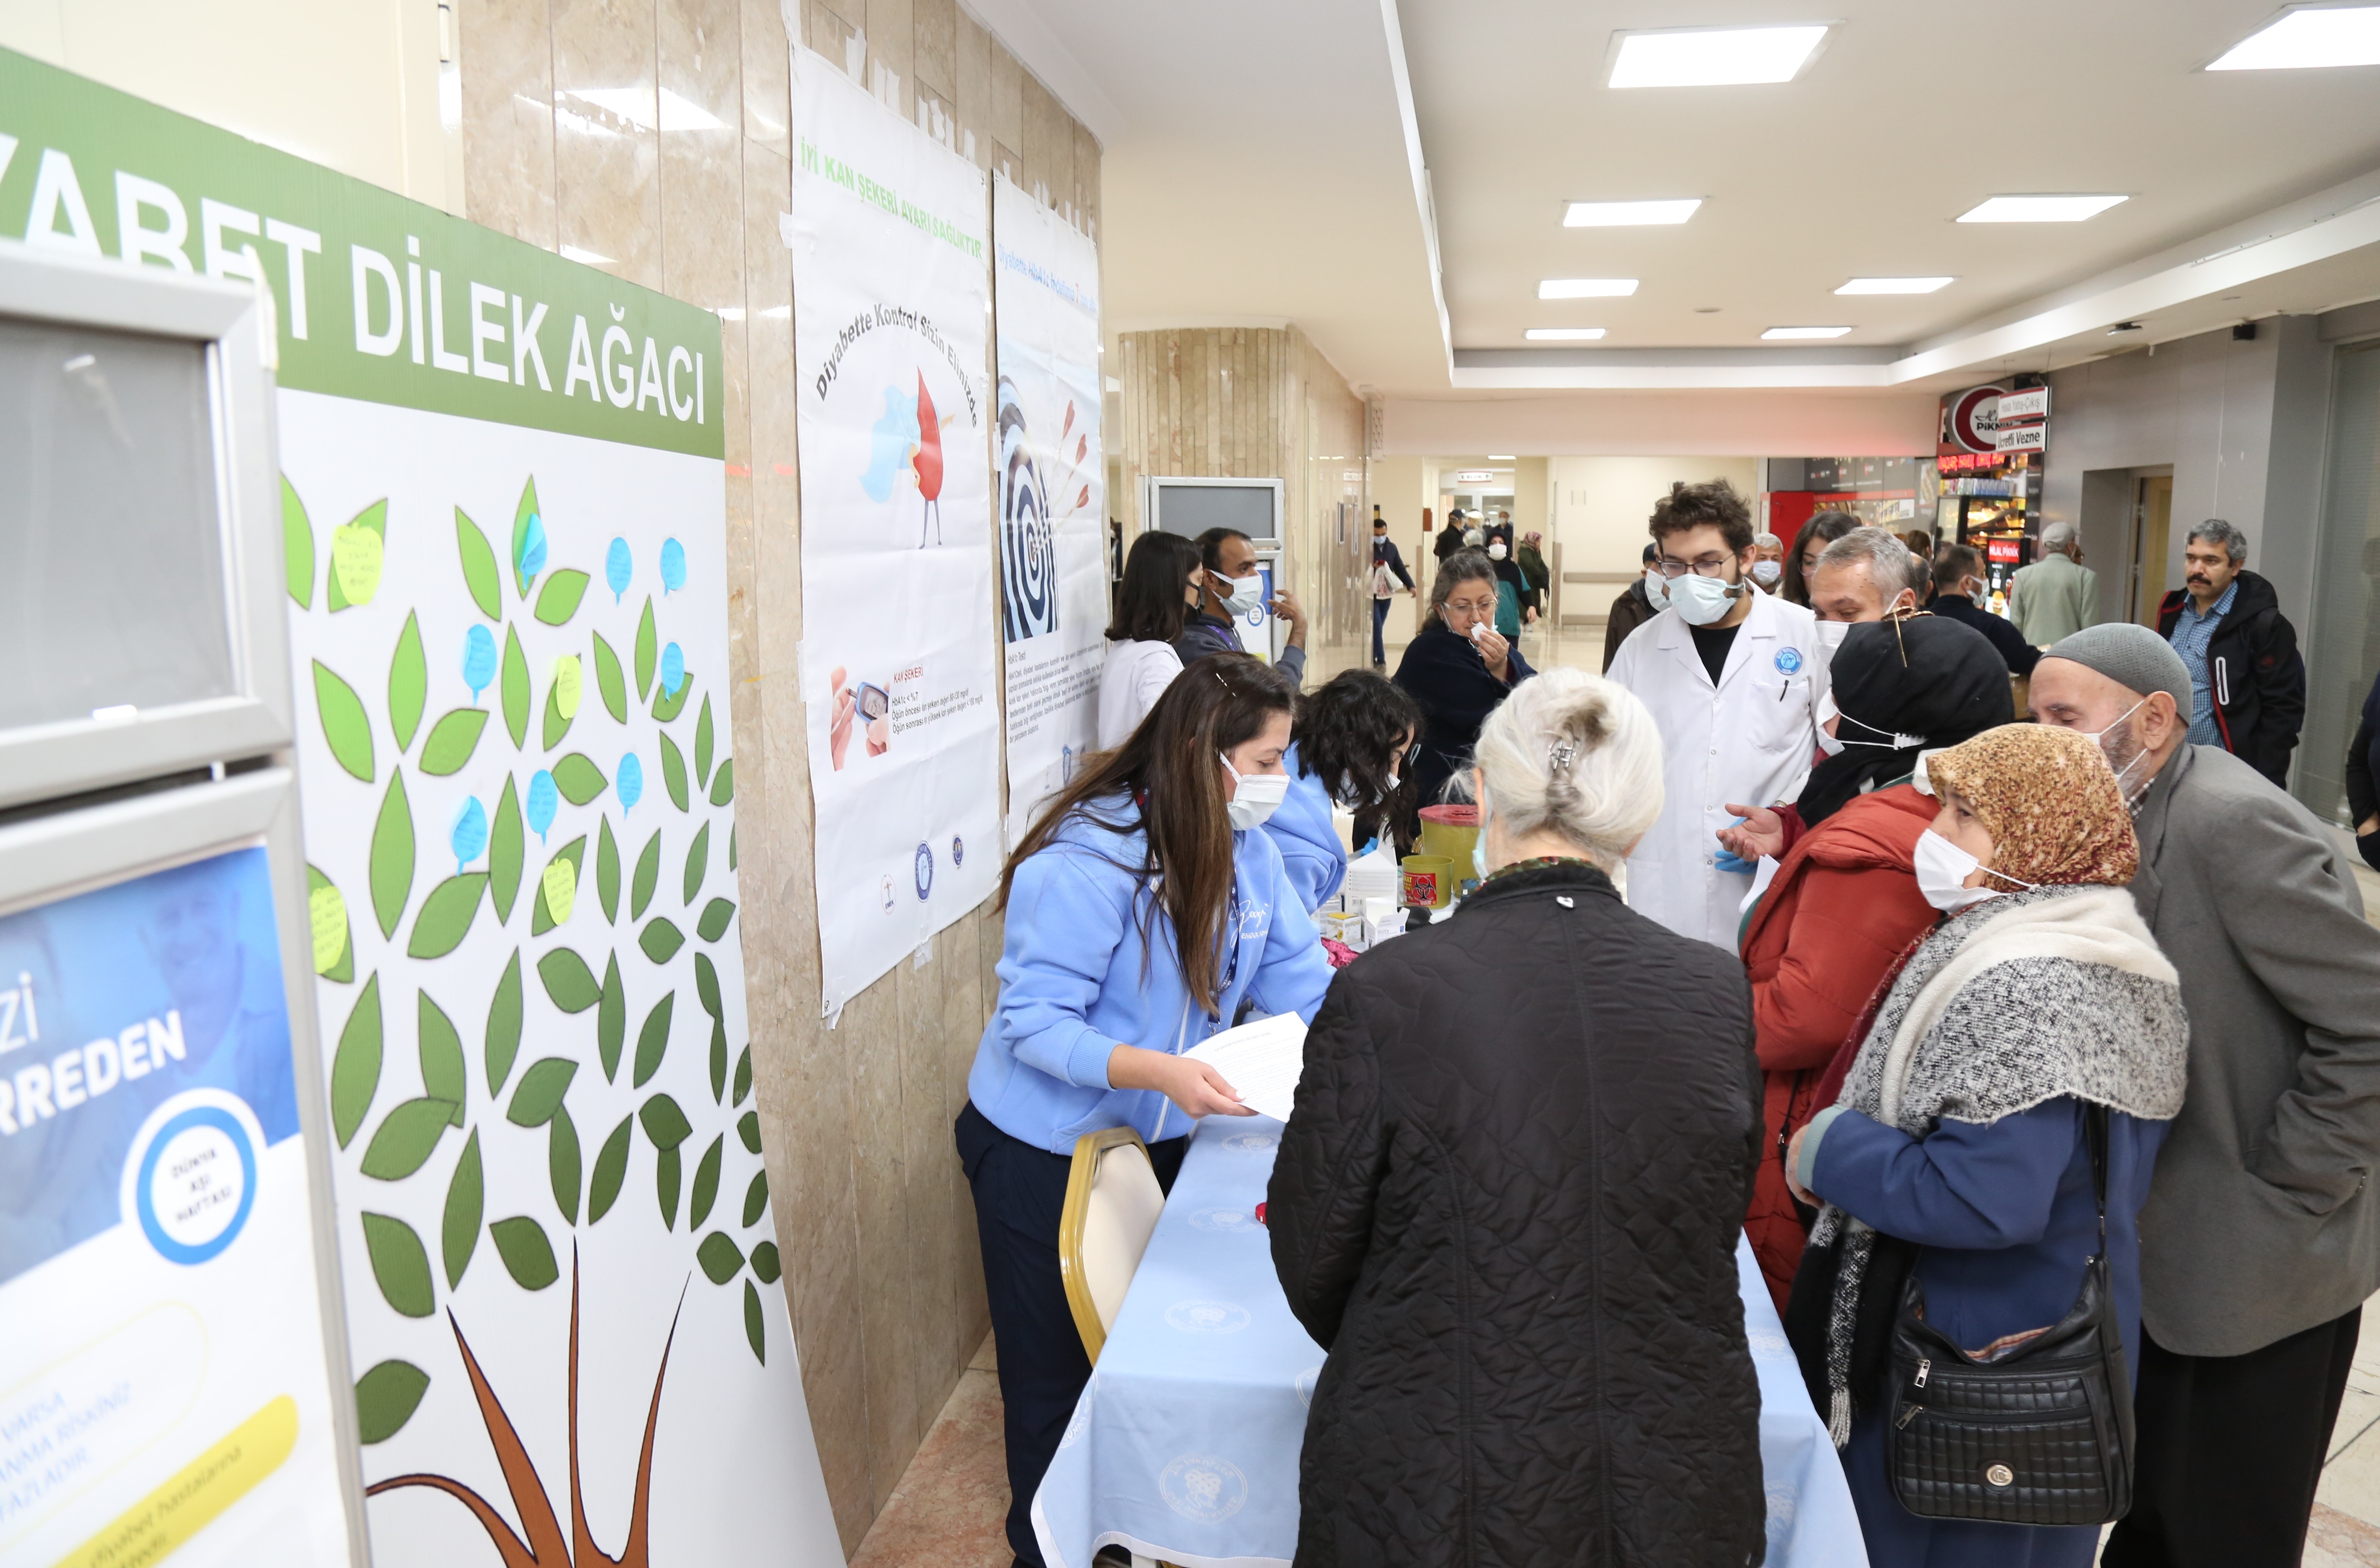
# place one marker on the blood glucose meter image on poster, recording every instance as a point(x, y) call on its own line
point(863, 707)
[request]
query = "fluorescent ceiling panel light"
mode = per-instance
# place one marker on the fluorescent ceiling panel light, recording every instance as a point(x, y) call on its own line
point(1778, 334)
point(2308, 36)
point(1714, 57)
point(2038, 208)
point(635, 105)
point(1508, 457)
point(1564, 334)
point(1586, 288)
point(1892, 285)
point(1628, 215)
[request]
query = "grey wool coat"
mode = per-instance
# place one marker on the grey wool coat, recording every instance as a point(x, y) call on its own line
point(2262, 1222)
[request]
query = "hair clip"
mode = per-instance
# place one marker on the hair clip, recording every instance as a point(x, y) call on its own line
point(1558, 757)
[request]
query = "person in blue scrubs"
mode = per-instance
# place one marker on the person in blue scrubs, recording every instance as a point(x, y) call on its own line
point(1354, 748)
point(1146, 912)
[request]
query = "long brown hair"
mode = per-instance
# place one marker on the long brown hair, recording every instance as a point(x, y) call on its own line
point(1167, 778)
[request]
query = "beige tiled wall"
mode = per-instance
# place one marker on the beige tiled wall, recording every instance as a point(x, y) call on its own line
point(882, 1278)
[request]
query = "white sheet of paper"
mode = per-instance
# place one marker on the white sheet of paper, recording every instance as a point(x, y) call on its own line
point(1261, 1061)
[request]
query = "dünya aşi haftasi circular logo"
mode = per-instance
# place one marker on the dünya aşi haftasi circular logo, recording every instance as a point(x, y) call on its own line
point(924, 871)
point(190, 1178)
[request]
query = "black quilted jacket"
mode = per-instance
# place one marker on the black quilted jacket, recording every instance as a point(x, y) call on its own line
point(1507, 1205)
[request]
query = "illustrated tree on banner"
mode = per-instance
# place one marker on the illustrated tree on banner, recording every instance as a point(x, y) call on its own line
point(498, 1077)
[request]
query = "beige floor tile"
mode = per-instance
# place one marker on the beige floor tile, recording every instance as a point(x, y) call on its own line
point(2340, 1540)
point(951, 1507)
point(2351, 1482)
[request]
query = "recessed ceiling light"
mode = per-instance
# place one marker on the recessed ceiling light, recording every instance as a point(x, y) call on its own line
point(2038, 208)
point(1627, 214)
point(2309, 35)
point(1716, 56)
point(1586, 288)
point(1776, 334)
point(1564, 334)
point(1508, 457)
point(1893, 285)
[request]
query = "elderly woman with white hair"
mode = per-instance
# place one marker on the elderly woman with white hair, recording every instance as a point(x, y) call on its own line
point(1508, 1201)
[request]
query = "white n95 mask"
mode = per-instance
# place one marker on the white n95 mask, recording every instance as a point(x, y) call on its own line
point(1699, 600)
point(1255, 796)
point(1247, 595)
point(1765, 573)
point(1832, 633)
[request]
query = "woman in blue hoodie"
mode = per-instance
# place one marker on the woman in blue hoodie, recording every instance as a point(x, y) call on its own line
point(1145, 914)
point(1354, 748)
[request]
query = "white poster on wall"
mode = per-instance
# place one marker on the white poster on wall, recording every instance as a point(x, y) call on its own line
point(1053, 601)
point(890, 306)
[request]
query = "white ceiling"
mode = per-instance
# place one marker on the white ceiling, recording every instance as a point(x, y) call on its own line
point(1259, 168)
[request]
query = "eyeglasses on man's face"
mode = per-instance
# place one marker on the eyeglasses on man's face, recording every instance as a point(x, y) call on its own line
point(1709, 564)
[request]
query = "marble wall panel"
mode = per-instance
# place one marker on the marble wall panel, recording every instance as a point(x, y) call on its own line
point(606, 158)
point(1007, 104)
point(936, 24)
point(971, 87)
point(1087, 178)
point(893, 43)
point(767, 76)
point(700, 60)
point(507, 81)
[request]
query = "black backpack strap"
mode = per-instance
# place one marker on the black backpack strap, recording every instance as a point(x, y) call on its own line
point(2094, 1135)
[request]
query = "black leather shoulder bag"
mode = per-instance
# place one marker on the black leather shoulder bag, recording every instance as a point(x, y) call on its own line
point(2039, 1433)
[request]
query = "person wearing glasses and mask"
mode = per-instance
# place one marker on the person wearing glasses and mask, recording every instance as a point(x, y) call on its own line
point(1144, 912)
point(1231, 590)
point(1732, 677)
point(1355, 745)
point(1457, 668)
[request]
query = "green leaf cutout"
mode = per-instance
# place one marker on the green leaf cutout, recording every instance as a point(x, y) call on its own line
point(748, 1128)
point(731, 832)
point(355, 1066)
point(764, 1262)
point(706, 983)
point(665, 1123)
point(673, 772)
point(715, 916)
point(649, 872)
point(405, 1138)
point(611, 1170)
point(706, 1185)
point(445, 917)
point(326, 919)
point(720, 1258)
point(521, 515)
point(665, 1185)
point(452, 740)
point(660, 940)
point(755, 1198)
point(512, 684)
point(479, 567)
point(505, 842)
point(556, 724)
point(697, 861)
point(648, 649)
point(542, 1086)
point(504, 1034)
point(607, 871)
point(609, 681)
point(458, 1229)
point(612, 1019)
point(408, 682)
point(568, 980)
point(541, 916)
point(562, 1164)
point(358, 554)
point(755, 1333)
point(344, 723)
point(578, 779)
point(702, 741)
point(441, 1056)
point(652, 1041)
point(558, 600)
point(743, 1075)
point(399, 1265)
point(298, 556)
point(528, 1257)
point(392, 854)
point(669, 705)
point(717, 1061)
point(722, 790)
point(386, 1399)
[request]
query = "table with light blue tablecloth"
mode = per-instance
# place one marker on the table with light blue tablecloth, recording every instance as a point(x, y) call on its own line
point(1184, 1444)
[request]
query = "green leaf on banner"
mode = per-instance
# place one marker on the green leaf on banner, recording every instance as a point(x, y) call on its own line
point(717, 1061)
point(648, 649)
point(764, 1262)
point(504, 1035)
point(702, 743)
point(297, 551)
point(755, 1198)
point(326, 924)
point(607, 872)
point(568, 980)
point(611, 1170)
point(557, 887)
point(652, 1041)
point(562, 1164)
point(660, 940)
point(722, 787)
point(399, 1265)
point(458, 1229)
point(611, 1020)
point(445, 917)
point(669, 705)
point(665, 1185)
point(673, 772)
point(344, 723)
point(706, 983)
point(542, 1086)
point(558, 600)
point(706, 1184)
point(578, 779)
point(386, 1399)
point(754, 1331)
point(405, 1138)
point(355, 1065)
point(715, 916)
point(528, 1257)
point(609, 681)
point(408, 682)
point(479, 573)
point(521, 514)
point(649, 872)
point(665, 1123)
point(748, 1128)
point(392, 854)
point(452, 740)
point(697, 861)
point(441, 1056)
point(720, 1258)
point(556, 724)
point(743, 1075)
point(512, 685)
point(731, 832)
point(505, 844)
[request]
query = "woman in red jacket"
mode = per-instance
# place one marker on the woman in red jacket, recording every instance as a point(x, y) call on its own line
point(1843, 907)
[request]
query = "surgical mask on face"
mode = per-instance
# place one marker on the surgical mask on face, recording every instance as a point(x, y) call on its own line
point(1980, 593)
point(1699, 600)
point(1246, 597)
point(1942, 872)
point(1255, 796)
point(2100, 737)
point(1496, 550)
point(1766, 573)
point(1832, 633)
point(1894, 741)
point(1823, 714)
point(1353, 799)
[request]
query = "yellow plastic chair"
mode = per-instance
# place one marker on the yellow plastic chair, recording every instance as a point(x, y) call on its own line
point(1113, 1201)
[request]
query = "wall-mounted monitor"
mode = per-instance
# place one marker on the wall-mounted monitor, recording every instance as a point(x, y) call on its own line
point(1190, 506)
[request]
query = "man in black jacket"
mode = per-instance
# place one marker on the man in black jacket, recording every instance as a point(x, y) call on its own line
point(1629, 611)
point(2246, 678)
point(1388, 569)
point(1958, 582)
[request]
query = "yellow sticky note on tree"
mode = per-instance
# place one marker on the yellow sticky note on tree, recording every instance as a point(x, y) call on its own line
point(566, 679)
point(356, 555)
point(561, 889)
point(326, 912)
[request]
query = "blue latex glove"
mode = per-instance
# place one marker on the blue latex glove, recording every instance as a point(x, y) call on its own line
point(1728, 859)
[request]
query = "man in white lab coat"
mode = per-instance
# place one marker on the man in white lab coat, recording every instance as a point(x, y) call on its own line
point(1732, 677)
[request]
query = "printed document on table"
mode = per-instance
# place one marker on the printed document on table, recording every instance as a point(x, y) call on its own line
point(1260, 1060)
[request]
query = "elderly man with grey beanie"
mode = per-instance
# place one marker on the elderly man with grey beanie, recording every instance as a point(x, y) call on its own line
point(2260, 1238)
